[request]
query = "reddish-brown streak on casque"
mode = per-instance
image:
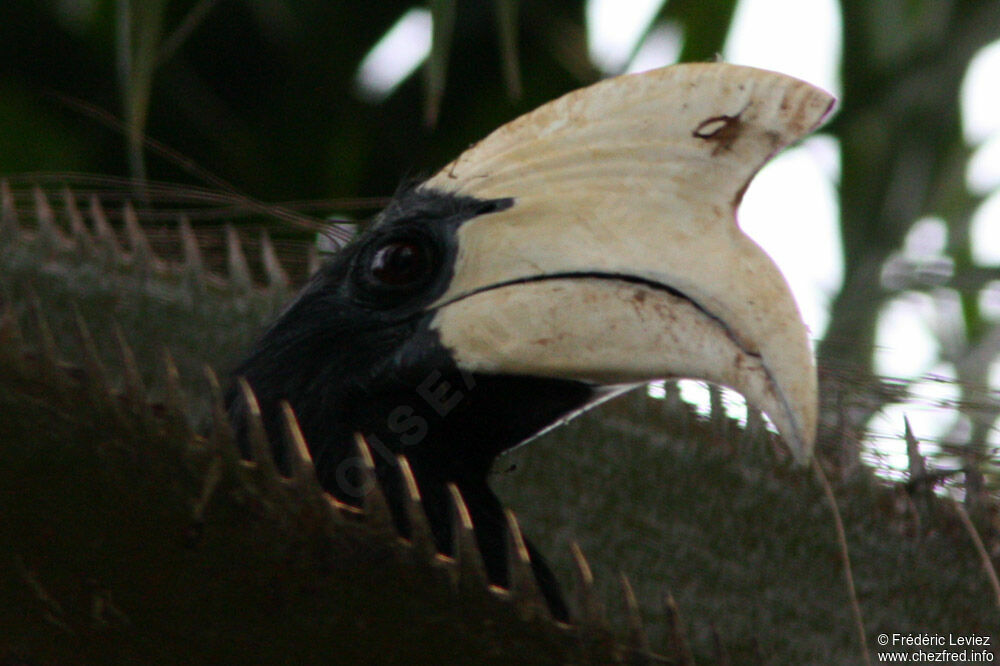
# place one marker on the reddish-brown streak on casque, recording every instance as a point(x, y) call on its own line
point(723, 131)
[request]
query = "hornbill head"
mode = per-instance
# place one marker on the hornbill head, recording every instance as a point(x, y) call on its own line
point(581, 250)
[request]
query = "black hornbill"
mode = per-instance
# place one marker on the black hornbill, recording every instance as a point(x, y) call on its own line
point(581, 250)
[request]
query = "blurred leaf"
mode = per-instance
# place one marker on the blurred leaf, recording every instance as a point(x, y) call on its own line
point(443, 13)
point(139, 30)
point(706, 25)
point(507, 16)
point(194, 18)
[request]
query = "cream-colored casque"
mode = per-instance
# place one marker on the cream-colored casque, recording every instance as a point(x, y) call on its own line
point(623, 242)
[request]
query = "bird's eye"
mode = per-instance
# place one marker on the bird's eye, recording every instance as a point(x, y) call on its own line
point(400, 264)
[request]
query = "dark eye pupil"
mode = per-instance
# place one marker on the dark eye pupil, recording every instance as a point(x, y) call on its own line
point(399, 264)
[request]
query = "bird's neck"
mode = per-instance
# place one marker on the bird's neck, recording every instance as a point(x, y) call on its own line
point(450, 426)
